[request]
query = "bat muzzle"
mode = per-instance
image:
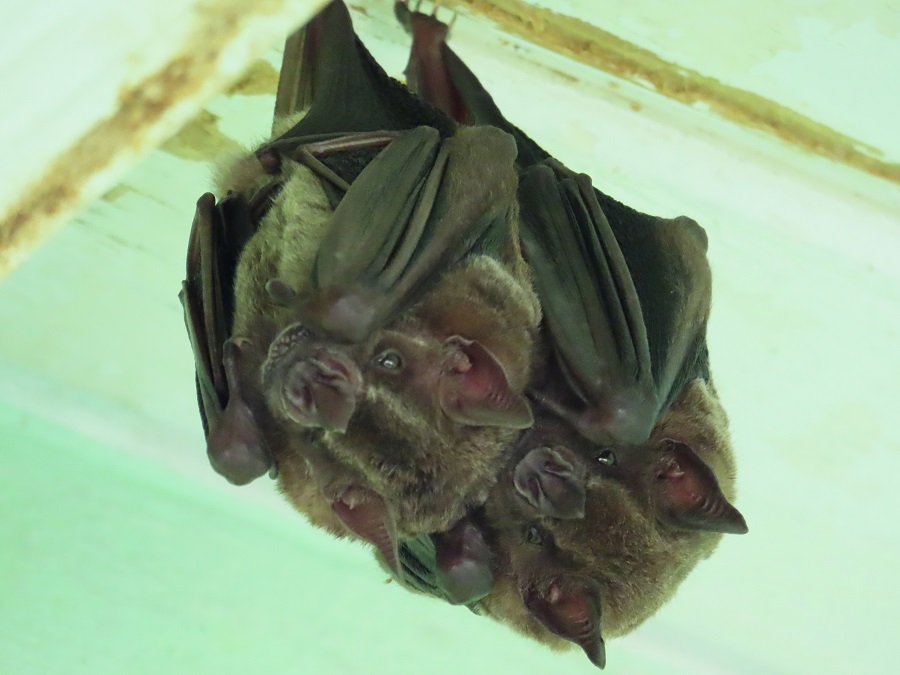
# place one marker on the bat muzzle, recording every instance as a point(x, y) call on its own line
point(309, 383)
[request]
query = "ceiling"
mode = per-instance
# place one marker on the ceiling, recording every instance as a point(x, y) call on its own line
point(123, 552)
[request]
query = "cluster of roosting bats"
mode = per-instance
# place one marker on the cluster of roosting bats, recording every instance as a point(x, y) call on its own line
point(447, 344)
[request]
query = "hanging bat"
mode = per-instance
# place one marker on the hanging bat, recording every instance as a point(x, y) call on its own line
point(626, 324)
point(314, 329)
point(652, 512)
point(627, 328)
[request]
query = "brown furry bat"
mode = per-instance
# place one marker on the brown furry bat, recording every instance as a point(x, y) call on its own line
point(651, 513)
point(404, 431)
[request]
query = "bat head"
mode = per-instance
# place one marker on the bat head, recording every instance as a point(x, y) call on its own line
point(456, 377)
point(652, 512)
point(309, 381)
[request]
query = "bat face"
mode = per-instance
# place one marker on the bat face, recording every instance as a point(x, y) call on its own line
point(651, 513)
point(432, 421)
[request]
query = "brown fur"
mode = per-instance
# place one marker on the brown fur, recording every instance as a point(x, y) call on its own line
point(637, 561)
point(429, 469)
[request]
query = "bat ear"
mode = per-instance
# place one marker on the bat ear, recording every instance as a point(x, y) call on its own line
point(235, 445)
point(365, 514)
point(688, 495)
point(570, 608)
point(473, 389)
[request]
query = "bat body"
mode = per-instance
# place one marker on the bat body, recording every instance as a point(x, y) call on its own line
point(582, 548)
point(626, 323)
point(400, 432)
point(380, 288)
point(652, 512)
point(382, 319)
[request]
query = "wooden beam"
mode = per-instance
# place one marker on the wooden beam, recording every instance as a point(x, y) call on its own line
point(89, 88)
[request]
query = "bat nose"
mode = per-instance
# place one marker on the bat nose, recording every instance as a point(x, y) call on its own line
point(320, 390)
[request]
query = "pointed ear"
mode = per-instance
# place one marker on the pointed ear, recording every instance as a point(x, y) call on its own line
point(570, 608)
point(473, 388)
point(688, 496)
point(365, 514)
point(553, 481)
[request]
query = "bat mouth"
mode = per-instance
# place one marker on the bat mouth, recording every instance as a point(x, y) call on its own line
point(310, 384)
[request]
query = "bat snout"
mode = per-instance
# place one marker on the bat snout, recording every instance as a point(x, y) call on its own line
point(551, 483)
point(310, 383)
point(320, 390)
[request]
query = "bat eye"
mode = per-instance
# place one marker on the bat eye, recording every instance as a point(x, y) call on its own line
point(606, 457)
point(389, 359)
point(533, 535)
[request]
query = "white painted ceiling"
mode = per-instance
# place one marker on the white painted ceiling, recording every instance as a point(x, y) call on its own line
point(123, 552)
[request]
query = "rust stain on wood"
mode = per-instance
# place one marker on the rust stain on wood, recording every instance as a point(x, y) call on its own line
point(139, 107)
point(600, 49)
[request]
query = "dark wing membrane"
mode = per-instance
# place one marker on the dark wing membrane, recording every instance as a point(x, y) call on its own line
point(421, 206)
point(671, 274)
point(218, 234)
point(591, 308)
point(199, 316)
point(665, 259)
point(347, 89)
point(294, 82)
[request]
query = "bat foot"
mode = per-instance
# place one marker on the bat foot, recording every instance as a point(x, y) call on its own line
point(422, 26)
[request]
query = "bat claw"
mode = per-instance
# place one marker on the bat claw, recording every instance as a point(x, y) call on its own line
point(409, 17)
point(280, 292)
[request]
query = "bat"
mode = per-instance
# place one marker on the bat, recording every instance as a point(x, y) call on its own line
point(625, 319)
point(652, 511)
point(627, 328)
point(327, 370)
